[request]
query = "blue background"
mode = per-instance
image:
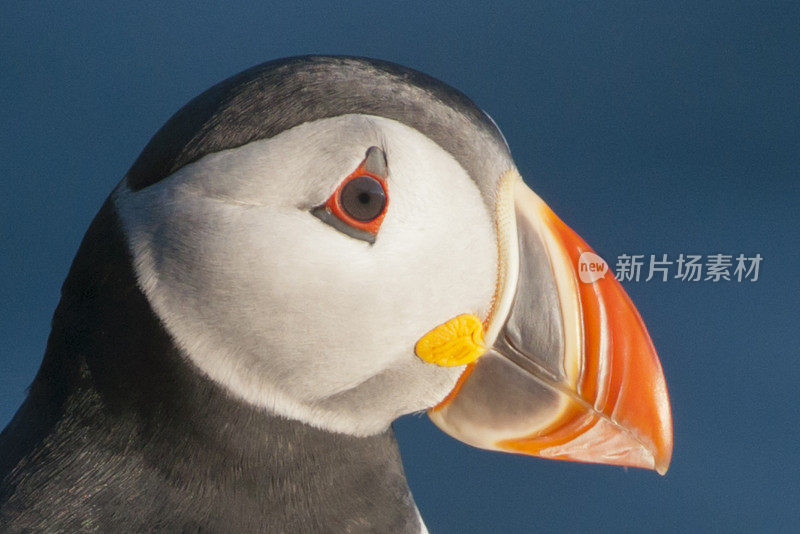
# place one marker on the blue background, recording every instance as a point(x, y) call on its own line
point(648, 128)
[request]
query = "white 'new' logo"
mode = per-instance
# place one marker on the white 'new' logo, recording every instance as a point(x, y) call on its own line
point(591, 267)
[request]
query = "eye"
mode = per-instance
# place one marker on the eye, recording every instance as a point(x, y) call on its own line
point(358, 205)
point(363, 198)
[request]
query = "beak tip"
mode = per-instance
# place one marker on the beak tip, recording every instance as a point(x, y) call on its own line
point(663, 458)
point(661, 463)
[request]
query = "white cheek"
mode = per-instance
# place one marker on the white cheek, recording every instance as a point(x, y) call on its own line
point(284, 310)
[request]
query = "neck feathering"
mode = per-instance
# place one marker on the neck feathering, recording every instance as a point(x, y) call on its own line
point(121, 432)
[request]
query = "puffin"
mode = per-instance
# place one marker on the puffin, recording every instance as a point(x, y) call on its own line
point(302, 254)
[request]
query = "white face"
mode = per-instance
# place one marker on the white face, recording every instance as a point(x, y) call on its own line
point(293, 315)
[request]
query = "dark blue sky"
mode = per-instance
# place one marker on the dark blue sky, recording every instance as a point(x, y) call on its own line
point(648, 129)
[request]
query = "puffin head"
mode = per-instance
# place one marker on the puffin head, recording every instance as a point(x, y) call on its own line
point(342, 241)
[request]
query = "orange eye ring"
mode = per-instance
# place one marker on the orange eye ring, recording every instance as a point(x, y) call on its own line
point(335, 206)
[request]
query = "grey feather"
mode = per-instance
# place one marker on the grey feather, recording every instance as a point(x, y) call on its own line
point(267, 99)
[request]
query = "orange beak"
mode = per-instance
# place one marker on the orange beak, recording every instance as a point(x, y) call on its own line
point(571, 373)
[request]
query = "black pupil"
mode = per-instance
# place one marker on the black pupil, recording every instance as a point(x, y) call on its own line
point(363, 198)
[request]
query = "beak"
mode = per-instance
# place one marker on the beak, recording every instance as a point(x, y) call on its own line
point(570, 372)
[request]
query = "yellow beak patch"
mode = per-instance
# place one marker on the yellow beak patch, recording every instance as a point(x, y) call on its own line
point(459, 341)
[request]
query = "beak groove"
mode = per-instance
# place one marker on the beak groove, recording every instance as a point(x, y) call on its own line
point(572, 373)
